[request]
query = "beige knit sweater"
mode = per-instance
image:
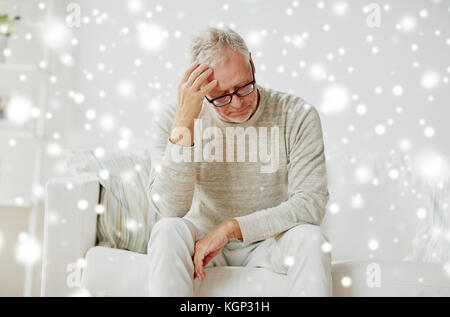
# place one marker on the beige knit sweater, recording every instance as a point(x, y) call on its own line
point(266, 197)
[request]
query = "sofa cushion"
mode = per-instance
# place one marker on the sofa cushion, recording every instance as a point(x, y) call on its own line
point(390, 279)
point(126, 220)
point(113, 272)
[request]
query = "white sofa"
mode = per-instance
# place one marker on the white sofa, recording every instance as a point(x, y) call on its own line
point(73, 265)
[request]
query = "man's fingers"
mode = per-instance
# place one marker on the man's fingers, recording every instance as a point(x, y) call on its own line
point(196, 73)
point(188, 72)
point(200, 79)
point(200, 271)
point(207, 88)
point(207, 259)
point(198, 261)
point(201, 260)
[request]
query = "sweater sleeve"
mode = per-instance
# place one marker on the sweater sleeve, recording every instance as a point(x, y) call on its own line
point(171, 182)
point(307, 184)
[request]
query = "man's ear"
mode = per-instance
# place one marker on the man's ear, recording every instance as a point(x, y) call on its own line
point(251, 61)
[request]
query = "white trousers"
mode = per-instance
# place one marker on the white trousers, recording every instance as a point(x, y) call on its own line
point(297, 252)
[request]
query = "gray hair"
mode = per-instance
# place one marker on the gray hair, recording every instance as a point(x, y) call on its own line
point(209, 46)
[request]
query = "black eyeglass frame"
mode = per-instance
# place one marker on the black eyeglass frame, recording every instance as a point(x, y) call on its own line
point(253, 82)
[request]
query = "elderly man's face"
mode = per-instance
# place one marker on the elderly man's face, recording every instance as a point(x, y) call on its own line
point(232, 74)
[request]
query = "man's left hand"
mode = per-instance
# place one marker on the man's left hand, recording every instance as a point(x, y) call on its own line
point(212, 244)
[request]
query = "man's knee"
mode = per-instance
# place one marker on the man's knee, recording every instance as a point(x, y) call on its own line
point(168, 230)
point(169, 225)
point(308, 236)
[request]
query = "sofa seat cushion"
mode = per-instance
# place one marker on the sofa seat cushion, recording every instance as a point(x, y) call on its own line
point(115, 272)
point(390, 278)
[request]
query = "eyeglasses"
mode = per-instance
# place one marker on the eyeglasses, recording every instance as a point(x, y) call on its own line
point(245, 90)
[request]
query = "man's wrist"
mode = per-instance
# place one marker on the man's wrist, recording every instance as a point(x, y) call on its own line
point(233, 230)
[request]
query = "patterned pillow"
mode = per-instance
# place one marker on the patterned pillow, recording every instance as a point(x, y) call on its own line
point(126, 220)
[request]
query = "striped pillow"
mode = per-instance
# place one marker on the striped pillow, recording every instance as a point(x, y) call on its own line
point(126, 220)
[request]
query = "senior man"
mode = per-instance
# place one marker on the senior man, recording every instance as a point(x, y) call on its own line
point(231, 213)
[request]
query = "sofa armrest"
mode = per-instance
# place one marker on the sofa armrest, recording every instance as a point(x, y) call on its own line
point(70, 225)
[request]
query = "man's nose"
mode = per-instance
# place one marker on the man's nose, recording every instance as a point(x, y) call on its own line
point(236, 102)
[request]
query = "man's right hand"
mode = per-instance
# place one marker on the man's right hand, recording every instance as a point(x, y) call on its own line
point(191, 91)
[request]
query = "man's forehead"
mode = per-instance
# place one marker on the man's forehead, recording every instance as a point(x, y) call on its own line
point(229, 78)
point(226, 87)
